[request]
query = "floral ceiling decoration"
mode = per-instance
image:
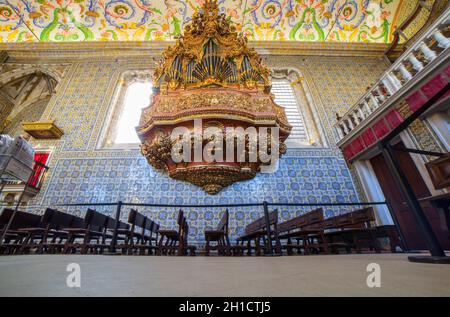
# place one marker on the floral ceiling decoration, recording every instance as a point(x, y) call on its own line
point(145, 20)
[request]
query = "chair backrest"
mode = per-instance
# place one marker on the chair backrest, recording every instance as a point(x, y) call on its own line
point(111, 224)
point(150, 225)
point(363, 217)
point(329, 223)
point(180, 217)
point(147, 227)
point(140, 220)
point(223, 223)
point(95, 220)
point(154, 228)
point(314, 220)
point(47, 216)
point(344, 220)
point(78, 222)
point(315, 216)
point(338, 222)
point(185, 231)
point(137, 220)
point(307, 220)
point(21, 219)
point(289, 225)
point(55, 219)
point(260, 224)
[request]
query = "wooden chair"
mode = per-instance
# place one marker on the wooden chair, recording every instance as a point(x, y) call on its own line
point(145, 238)
point(153, 241)
point(220, 235)
point(175, 241)
point(108, 234)
point(169, 240)
point(258, 232)
point(50, 230)
point(14, 238)
point(132, 235)
point(57, 243)
point(185, 247)
point(95, 225)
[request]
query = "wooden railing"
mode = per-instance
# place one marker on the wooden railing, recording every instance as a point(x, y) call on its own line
point(430, 49)
point(399, 31)
point(434, 11)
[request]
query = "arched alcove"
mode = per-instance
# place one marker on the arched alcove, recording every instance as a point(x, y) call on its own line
point(24, 93)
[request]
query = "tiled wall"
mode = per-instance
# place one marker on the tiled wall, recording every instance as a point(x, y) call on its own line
point(79, 172)
point(31, 113)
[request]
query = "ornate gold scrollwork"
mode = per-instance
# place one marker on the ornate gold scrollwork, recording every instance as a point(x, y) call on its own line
point(211, 74)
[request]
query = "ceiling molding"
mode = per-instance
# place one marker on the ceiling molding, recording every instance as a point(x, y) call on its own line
point(66, 51)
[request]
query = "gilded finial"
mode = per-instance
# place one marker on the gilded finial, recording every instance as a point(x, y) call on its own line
point(211, 53)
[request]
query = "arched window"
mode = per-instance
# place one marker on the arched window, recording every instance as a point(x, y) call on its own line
point(292, 92)
point(137, 97)
point(285, 97)
point(132, 93)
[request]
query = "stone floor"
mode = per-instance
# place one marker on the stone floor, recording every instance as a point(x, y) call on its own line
point(342, 275)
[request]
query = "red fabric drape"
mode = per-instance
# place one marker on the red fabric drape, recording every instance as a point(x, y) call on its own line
point(41, 157)
point(37, 170)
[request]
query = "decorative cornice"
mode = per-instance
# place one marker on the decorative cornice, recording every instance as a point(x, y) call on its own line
point(121, 50)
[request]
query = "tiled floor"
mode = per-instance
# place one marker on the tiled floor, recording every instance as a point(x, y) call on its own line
point(344, 275)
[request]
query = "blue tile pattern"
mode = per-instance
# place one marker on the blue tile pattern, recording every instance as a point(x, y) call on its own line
point(80, 173)
point(131, 179)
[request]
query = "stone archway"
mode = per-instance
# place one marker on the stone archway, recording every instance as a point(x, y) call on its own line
point(25, 90)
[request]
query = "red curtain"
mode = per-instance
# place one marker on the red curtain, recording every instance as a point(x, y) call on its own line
point(42, 158)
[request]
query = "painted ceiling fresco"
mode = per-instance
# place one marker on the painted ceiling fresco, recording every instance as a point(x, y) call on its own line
point(145, 20)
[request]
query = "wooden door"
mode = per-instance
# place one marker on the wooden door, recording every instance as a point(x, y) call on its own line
point(401, 211)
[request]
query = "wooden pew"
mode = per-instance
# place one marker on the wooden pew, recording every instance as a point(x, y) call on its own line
point(14, 237)
point(220, 235)
point(306, 230)
point(256, 232)
point(352, 230)
point(390, 232)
